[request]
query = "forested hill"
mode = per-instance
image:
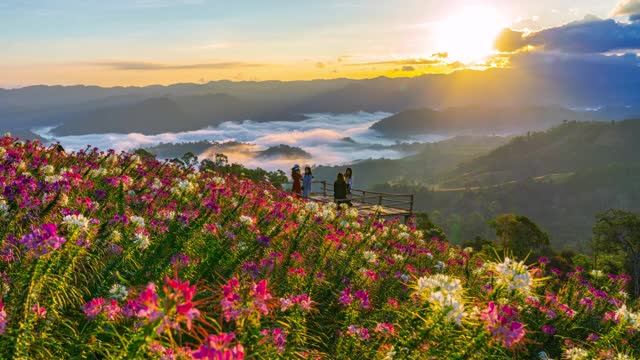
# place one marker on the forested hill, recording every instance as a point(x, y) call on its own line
point(560, 179)
point(567, 148)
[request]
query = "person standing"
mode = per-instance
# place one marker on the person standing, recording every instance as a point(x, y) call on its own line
point(297, 180)
point(340, 190)
point(307, 179)
point(348, 178)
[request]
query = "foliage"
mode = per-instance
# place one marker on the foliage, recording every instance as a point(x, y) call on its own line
point(520, 235)
point(110, 255)
point(618, 232)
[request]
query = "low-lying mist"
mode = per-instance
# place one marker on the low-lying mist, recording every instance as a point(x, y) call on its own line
point(331, 139)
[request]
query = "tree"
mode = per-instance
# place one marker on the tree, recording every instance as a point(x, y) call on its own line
point(520, 235)
point(189, 159)
point(618, 232)
point(430, 229)
point(144, 153)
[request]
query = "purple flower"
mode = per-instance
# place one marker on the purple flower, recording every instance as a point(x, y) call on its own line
point(263, 240)
point(549, 329)
point(44, 240)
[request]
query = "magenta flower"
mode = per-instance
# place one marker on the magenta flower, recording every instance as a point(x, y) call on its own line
point(93, 307)
point(44, 240)
point(219, 347)
point(3, 319)
point(549, 329)
point(502, 322)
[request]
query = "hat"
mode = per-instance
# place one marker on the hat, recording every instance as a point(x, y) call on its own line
point(295, 167)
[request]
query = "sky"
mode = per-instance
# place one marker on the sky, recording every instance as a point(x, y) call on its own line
point(144, 42)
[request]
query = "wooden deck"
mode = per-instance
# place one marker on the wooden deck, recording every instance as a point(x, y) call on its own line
point(368, 202)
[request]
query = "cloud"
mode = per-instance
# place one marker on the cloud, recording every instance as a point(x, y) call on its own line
point(401, 62)
point(322, 135)
point(591, 35)
point(440, 55)
point(146, 66)
point(320, 65)
point(408, 68)
point(626, 8)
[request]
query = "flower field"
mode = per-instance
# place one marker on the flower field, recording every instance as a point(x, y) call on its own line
point(108, 255)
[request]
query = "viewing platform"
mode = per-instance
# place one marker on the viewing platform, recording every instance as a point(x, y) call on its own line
point(366, 201)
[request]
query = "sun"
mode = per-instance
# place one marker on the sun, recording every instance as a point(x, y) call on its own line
point(469, 34)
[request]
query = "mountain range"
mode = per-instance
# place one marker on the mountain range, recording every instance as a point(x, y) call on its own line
point(612, 91)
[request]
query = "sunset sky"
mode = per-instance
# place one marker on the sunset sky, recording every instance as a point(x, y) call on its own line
point(143, 42)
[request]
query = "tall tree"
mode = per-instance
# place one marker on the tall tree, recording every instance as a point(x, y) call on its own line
point(519, 234)
point(618, 232)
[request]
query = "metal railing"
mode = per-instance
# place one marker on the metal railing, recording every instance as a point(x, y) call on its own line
point(392, 204)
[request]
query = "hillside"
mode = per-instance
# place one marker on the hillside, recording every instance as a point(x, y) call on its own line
point(560, 178)
point(566, 148)
point(431, 160)
point(474, 119)
point(116, 256)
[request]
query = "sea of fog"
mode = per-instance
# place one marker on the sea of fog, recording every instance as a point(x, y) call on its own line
point(322, 135)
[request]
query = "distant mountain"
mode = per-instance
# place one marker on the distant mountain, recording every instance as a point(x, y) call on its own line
point(608, 91)
point(478, 119)
point(170, 114)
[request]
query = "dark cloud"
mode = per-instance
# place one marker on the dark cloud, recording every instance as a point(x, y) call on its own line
point(401, 62)
point(591, 35)
point(145, 66)
point(440, 55)
point(320, 65)
point(627, 8)
point(408, 68)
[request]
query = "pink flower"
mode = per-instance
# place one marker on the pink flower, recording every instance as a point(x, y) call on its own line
point(39, 311)
point(112, 310)
point(219, 347)
point(93, 307)
point(3, 318)
point(385, 329)
point(502, 323)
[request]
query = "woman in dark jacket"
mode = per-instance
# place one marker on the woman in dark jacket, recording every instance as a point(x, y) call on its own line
point(297, 180)
point(340, 190)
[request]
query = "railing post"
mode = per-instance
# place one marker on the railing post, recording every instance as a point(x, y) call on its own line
point(324, 188)
point(411, 205)
point(380, 200)
point(364, 197)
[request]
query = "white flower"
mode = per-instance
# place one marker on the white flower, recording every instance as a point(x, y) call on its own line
point(218, 180)
point(444, 292)
point(398, 257)
point(370, 256)
point(4, 208)
point(576, 353)
point(543, 356)
point(625, 316)
point(142, 241)
point(377, 208)
point(53, 178)
point(311, 206)
point(514, 275)
point(49, 170)
point(403, 235)
point(247, 220)
point(118, 291)
point(351, 213)
point(157, 184)
point(78, 222)
point(137, 220)
point(439, 265)
point(596, 273)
